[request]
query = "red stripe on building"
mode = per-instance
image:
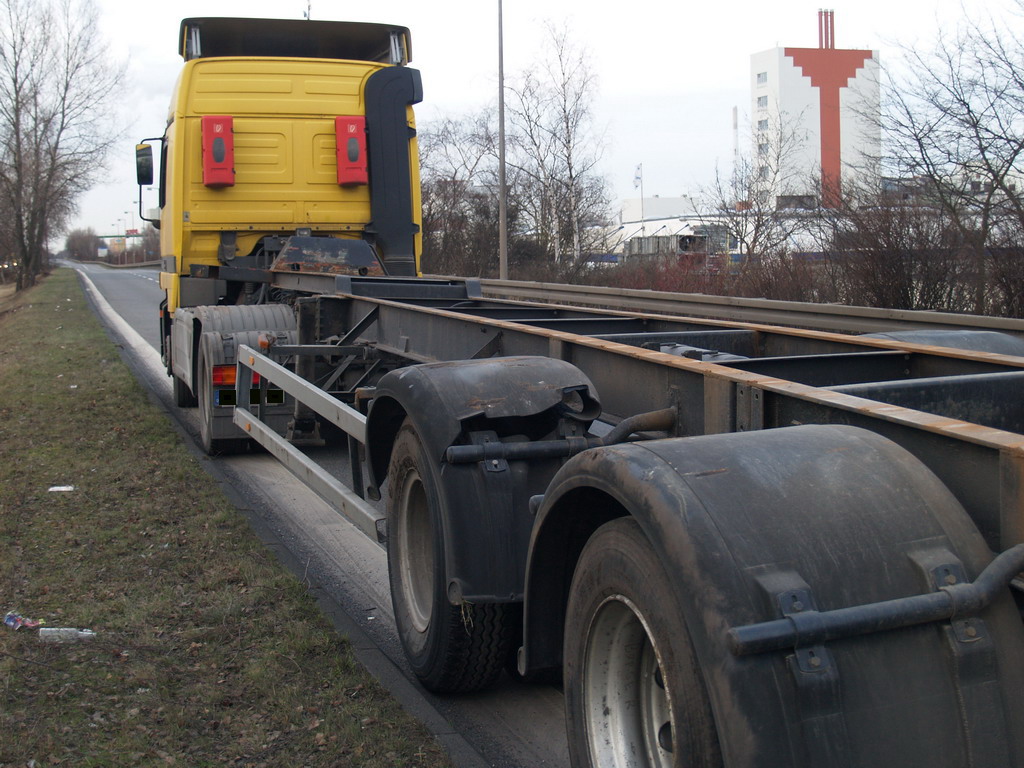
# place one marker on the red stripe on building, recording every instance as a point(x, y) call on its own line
point(829, 70)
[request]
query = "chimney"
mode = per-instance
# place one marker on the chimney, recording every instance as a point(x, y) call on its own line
point(826, 29)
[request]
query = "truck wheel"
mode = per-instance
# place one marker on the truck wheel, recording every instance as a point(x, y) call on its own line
point(451, 648)
point(634, 695)
point(183, 397)
point(210, 445)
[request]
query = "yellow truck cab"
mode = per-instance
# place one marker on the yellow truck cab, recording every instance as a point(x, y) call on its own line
point(290, 147)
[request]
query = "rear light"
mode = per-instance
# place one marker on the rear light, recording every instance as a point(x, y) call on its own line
point(350, 135)
point(218, 151)
point(225, 376)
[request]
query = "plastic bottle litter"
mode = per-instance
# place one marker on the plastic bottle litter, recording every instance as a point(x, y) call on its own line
point(65, 634)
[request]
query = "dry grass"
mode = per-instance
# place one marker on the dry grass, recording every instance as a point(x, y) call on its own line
point(7, 296)
point(207, 651)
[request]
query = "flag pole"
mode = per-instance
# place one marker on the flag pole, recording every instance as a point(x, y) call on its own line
point(643, 219)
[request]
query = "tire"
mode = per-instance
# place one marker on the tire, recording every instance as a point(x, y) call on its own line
point(450, 648)
point(641, 709)
point(212, 446)
point(183, 397)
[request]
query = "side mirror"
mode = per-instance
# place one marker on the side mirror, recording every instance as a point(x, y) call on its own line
point(144, 164)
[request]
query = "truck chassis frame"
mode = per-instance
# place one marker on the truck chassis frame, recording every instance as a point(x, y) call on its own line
point(955, 413)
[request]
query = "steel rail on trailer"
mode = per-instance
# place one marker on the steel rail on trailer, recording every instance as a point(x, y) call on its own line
point(828, 317)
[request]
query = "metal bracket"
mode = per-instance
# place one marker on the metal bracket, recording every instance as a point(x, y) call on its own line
point(229, 345)
point(817, 690)
point(947, 574)
point(360, 327)
point(974, 667)
point(812, 660)
point(970, 631)
point(559, 350)
point(493, 348)
point(815, 658)
point(228, 248)
point(677, 400)
point(484, 438)
point(749, 408)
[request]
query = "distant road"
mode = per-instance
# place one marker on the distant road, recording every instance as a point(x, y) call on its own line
point(134, 293)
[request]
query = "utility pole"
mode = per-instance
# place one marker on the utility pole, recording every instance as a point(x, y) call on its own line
point(502, 201)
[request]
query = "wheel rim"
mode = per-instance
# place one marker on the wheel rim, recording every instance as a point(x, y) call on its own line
point(416, 552)
point(628, 710)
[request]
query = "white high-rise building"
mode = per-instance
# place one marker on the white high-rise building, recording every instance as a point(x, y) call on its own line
point(815, 117)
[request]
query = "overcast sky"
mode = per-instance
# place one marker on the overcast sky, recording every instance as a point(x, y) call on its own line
point(669, 73)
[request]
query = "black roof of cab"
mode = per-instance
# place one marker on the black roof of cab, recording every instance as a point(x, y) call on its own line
point(294, 38)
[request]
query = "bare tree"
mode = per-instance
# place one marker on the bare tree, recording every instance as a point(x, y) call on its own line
point(150, 243)
point(886, 251)
point(557, 149)
point(82, 244)
point(556, 197)
point(954, 125)
point(56, 90)
point(763, 214)
point(456, 156)
point(754, 204)
point(460, 199)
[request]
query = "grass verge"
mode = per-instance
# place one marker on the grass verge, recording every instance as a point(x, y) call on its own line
point(207, 651)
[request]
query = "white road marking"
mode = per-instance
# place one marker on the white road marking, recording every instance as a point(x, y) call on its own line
point(148, 357)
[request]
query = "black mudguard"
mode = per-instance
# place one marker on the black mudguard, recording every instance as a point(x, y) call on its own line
point(839, 517)
point(486, 513)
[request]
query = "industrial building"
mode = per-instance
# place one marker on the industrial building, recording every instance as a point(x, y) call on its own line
point(814, 114)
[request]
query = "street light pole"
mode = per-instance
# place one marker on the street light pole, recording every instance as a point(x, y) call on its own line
point(502, 202)
point(122, 257)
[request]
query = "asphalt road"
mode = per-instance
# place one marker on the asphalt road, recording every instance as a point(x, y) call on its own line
point(512, 725)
